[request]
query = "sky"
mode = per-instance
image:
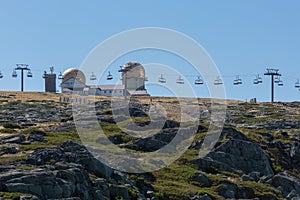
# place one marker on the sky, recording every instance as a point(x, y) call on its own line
point(242, 37)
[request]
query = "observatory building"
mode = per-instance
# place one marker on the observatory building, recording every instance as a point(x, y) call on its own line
point(133, 82)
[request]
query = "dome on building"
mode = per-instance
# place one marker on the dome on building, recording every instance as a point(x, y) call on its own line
point(73, 73)
point(134, 70)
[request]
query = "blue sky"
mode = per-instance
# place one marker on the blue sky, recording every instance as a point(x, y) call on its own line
point(242, 37)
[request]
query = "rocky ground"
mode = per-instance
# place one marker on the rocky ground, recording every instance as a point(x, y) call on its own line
point(256, 157)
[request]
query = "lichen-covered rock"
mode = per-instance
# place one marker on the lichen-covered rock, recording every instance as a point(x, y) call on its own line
point(71, 151)
point(286, 184)
point(237, 156)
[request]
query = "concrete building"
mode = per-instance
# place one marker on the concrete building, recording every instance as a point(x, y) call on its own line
point(50, 81)
point(133, 83)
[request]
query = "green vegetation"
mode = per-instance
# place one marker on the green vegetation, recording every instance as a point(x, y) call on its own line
point(10, 159)
point(11, 125)
point(7, 130)
point(26, 167)
point(12, 195)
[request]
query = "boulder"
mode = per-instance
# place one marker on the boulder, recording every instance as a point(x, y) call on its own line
point(118, 191)
point(8, 150)
point(71, 151)
point(237, 155)
point(17, 139)
point(203, 180)
point(47, 184)
point(233, 191)
point(37, 136)
point(286, 183)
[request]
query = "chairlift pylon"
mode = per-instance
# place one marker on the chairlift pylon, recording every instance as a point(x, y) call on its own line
point(180, 80)
point(162, 79)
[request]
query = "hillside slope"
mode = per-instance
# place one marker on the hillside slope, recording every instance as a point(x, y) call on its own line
point(42, 157)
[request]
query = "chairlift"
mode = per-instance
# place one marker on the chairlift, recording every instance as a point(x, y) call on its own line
point(93, 77)
point(277, 79)
point(237, 81)
point(280, 82)
point(44, 75)
point(240, 81)
point(218, 81)
point(180, 80)
point(14, 74)
point(29, 74)
point(1, 75)
point(297, 84)
point(109, 76)
point(162, 79)
point(199, 81)
point(60, 76)
point(259, 79)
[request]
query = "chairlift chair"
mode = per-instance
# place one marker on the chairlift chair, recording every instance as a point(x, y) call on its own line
point(218, 81)
point(162, 79)
point(14, 74)
point(109, 76)
point(198, 81)
point(297, 84)
point(259, 79)
point(237, 81)
point(60, 76)
point(240, 81)
point(277, 79)
point(1, 75)
point(256, 81)
point(93, 77)
point(280, 82)
point(29, 74)
point(44, 75)
point(180, 80)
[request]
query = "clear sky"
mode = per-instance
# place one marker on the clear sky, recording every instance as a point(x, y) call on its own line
point(242, 37)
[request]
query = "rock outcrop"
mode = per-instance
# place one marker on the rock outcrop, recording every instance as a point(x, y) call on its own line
point(70, 151)
point(237, 155)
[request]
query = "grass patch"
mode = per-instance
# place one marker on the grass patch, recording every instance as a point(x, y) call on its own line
point(11, 159)
point(12, 195)
point(57, 138)
point(35, 146)
point(11, 125)
point(7, 130)
point(173, 182)
point(26, 167)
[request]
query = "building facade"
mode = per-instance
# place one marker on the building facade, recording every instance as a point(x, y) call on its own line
point(133, 83)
